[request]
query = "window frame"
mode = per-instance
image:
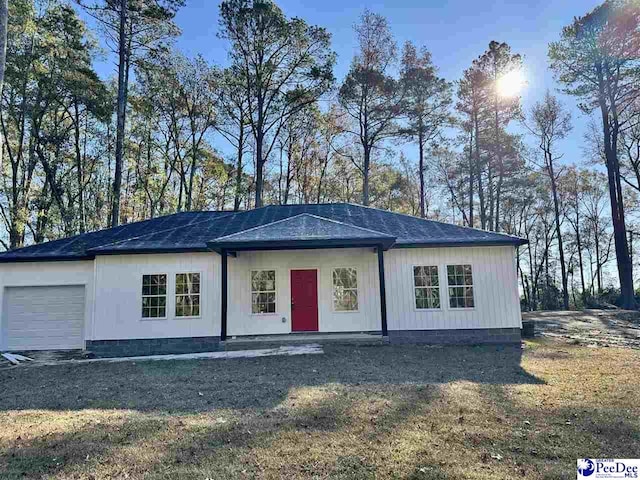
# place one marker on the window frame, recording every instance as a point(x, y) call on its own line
point(275, 291)
point(357, 289)
point(439, 287)
point(166, 295)
point(473, 281)
point(176, 294)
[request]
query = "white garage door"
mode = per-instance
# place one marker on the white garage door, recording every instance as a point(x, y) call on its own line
point(43, 318)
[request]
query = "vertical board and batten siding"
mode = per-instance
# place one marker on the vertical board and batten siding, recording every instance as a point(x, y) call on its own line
point(113, 291)
point(118, 306)
point(242, 322)
point(496, 297)
point(46, 274)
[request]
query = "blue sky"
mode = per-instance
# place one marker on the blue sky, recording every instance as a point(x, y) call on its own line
point(455, 32)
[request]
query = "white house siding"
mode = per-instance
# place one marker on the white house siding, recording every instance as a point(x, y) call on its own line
point(242, 322)
point(118, 307)
point(497, 303)
point(113, 290)
point(37, 274)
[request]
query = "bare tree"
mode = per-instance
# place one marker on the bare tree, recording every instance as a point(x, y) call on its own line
point(630, 148)
point(549, 123)
point(233, 123)
point(574, 185)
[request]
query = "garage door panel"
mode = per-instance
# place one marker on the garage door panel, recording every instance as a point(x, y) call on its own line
point(49, 317)
point(41, 319)
point(54, 308)
point(48, 331)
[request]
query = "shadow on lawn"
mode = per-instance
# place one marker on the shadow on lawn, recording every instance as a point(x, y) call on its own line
point(172, 444)
point(202, 385)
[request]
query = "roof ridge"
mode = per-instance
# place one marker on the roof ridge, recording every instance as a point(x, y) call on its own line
point(433, 221)
point(137, 237)
point(303, 214)
point(258, 226)
point(348, 224)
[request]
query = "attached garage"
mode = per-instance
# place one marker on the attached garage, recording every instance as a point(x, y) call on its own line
point(44, 318)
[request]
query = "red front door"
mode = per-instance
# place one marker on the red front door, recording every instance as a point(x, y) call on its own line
point(304, 300)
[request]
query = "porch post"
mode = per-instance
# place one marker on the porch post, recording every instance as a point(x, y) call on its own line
point(383, 292)
point(223, 297)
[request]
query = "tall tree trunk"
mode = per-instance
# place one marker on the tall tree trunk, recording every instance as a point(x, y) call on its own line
point(547, 241)
point(421, 167)
point(79, 169)
point(281, 175)
point(471, 177)
point(365, 175)
point(237, 197)
point(598, 275)
point(496, 222)
point(556, 208)
point(533, 289)
point(483, 212)
point(490, 194)
point(43, 215)
point(4, 19)
point(579, 245)
point(194, 161)
point(498, 152)
point(123, 76)
point(181, 189)
point(625, 274)
point(287, 183)
point(288, 176)
point(323, 172)
point(259, 169)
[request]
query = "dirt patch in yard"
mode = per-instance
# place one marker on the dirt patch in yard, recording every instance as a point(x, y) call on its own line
point(603, 328)
point(484, 413)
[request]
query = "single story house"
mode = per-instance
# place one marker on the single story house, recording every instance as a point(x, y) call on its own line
point(186, 282)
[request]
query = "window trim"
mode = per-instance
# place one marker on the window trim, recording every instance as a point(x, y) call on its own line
point(413, 283)
point(357, 289)
point(473, 285)
point(167, 296)
point(175, 295)
point(265, 314)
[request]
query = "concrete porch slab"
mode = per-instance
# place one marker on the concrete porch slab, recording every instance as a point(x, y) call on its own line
point(264, 341)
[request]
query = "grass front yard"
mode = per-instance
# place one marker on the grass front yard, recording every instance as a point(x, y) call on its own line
point(353, 413)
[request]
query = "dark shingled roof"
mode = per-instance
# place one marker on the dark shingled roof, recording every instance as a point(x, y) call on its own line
point(300, 230)
point(328, 224)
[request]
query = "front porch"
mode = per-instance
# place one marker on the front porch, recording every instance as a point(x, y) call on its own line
point(307, 276)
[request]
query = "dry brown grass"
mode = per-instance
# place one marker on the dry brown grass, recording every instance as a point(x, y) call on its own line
point(365, 412)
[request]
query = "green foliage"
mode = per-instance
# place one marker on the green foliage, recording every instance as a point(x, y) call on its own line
point(427, 97)
point(286, 65)
point(597, 48)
